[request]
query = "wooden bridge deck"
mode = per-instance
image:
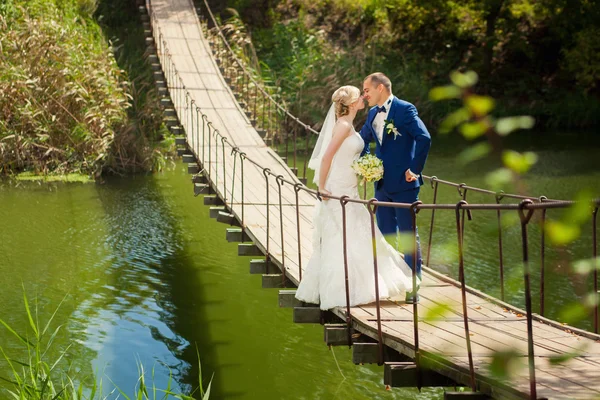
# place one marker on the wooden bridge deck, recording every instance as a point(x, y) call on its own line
point(494, 326)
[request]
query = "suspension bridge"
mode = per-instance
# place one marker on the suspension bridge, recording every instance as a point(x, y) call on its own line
point(226, 124)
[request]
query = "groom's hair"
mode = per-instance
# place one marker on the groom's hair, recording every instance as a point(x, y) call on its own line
point(379, 78)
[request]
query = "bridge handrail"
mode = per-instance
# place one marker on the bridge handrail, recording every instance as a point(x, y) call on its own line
point(240, 63)
point(526, 204)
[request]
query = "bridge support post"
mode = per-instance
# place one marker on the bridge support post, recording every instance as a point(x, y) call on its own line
point(227, 218)
point(213, 201)
point(194, 169)
point(200, 179)
point(275, 281)
point(307, 315)
point(235, 235)
point(258, 266)
point(367, 352)
point(199, 188)
point(249, 249)
point(404, 374)
point(465, 396)
point(335, 334)
point(215, 210)
point(287, 299)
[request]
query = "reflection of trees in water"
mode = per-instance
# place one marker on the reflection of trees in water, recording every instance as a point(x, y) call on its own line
point(149, 274)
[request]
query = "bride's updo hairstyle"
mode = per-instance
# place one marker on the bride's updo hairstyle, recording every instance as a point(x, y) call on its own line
point(343, 97)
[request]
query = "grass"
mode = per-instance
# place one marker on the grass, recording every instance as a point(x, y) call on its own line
point(71, 178)
point(36, 376)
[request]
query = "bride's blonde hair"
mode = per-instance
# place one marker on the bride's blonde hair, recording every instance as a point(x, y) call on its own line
point(343, 98)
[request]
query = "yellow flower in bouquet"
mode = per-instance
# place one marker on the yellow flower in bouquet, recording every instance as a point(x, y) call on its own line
point(369, 168)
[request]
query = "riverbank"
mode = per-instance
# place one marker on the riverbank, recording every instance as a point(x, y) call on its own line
point(75, 100)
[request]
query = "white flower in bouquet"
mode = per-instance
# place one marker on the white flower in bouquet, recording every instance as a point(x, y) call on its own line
point(369, 168)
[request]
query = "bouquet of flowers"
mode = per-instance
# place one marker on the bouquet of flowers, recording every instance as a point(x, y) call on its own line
point(369, 167)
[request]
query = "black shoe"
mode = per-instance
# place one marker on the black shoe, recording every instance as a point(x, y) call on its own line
point(412, 298)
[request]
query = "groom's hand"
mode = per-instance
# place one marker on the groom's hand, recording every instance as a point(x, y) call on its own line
point(410, 177)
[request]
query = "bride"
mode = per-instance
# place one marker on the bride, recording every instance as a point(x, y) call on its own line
point(323, 282)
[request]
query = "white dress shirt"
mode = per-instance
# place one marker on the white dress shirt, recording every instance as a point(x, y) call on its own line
point(378, 121)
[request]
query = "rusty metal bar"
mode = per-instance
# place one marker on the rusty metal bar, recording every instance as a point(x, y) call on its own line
point(279, 180)
point(530, 345)
point(461, 277)
point(499, 197)
point(413, 212)
point(343, 202)
point(543, 259)
point(210, 127)
point(306, 152)
point(242, 158)
point(204, 124)
point(216, 181)
point(295, 144)
point(266, 172)
point(223, 140)
point(254, 114)
point(372, 209)
point(434, 186)
point(596, 266)
point(234, 152)
point(287, 138)
point(297, 188)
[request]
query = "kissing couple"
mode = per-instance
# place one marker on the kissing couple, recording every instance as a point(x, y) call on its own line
point(402, 142)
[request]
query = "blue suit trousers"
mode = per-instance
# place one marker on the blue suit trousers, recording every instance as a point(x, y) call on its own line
point(392, 221)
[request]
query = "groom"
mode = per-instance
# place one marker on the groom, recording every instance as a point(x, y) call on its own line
point(402, 143)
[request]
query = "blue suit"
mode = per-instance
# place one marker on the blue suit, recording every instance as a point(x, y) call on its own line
point(408, 150)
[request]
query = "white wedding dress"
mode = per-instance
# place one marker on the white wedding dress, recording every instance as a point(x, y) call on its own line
point(323, 281)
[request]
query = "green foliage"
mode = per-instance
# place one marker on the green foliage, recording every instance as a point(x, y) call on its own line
point(506, 364)
point(532, 54)
point(583, 60)
point(66, 104)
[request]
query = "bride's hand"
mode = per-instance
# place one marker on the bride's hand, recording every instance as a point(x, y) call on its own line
point(324, 193)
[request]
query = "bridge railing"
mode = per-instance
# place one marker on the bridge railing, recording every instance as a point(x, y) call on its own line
point(209, 145)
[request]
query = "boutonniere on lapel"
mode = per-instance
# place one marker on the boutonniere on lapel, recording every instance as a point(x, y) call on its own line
point(391, 128)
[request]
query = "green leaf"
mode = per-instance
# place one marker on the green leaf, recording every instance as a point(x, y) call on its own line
point(480, 105)
point(438, 312)
point(473, 130)
point(560, 233)
point(499, 179)
point(24, 340)
point(581, 211)
point(475, 152)
point(505, 126)
point(444, 93)
point(454, 119)
point(562, 358)
point(505, 363)
point(520, 163)
point(587, 266)
point(590, 300)
point(207, 393)
point(403, 241)
point(573, 313)
point(466, 80)
point(29, 315)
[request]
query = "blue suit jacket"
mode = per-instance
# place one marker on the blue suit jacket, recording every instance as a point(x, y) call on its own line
point(409, 150)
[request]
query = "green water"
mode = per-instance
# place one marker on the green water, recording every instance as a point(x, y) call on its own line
point(146, 276)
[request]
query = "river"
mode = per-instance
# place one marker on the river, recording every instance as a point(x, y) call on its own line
point(146, 277)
